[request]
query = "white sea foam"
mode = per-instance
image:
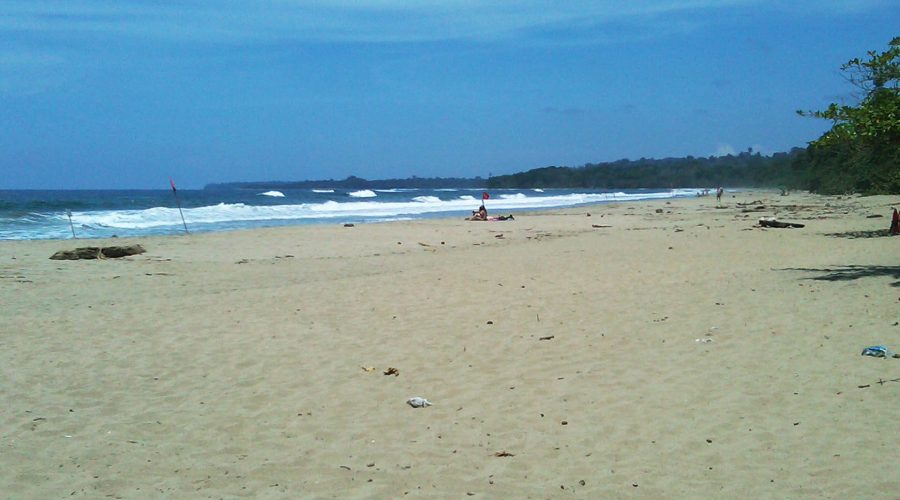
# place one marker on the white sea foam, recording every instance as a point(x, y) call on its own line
point(365, 193)
point(538, 190)
point(238, 212)
point(274, 194)
point(323, 190)
point(243, 215)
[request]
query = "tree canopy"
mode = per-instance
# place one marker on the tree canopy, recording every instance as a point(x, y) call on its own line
point(747, 169)
point(861, 152)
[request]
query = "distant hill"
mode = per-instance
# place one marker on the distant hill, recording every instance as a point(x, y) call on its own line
point(747, 169)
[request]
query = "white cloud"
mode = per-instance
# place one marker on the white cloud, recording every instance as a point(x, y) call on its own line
point(345, 20)
point(375, 20)
point(60, 25)
point(834, 7)
point(723, 149)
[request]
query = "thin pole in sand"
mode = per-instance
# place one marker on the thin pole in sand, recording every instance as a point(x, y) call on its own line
point(69, 214)
point(484, 196)
point(175, 193)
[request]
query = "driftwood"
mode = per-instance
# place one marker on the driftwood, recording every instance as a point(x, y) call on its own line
point(98, 253)
point(770, 222)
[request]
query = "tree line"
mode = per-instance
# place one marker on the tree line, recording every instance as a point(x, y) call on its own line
point(861, 151)
point(746, 169)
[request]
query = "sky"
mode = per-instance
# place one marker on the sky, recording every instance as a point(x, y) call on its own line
point(121, 94)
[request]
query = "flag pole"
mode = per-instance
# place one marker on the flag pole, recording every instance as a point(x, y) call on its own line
point(69, 214)
point(177, 202)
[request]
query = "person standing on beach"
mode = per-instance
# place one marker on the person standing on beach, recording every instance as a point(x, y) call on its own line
point(719, 193)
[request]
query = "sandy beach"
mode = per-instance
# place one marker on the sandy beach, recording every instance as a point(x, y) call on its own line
point(662, 349)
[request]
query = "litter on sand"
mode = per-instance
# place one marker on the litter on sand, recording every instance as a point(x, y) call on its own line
point(878, 351)
point(418, 402)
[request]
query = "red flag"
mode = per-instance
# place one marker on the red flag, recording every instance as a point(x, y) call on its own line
point(173, 185)
point(485, 196)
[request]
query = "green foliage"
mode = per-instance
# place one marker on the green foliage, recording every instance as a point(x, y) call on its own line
point(860, 152)
point(744, 170)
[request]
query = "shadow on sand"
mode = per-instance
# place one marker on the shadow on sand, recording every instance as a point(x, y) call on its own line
point(850, 273)
point(875, 233)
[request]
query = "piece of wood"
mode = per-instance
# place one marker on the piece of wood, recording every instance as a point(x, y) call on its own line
point(98, 253)
point(764, 222)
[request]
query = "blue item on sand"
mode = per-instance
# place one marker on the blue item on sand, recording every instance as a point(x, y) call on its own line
point(878, 351)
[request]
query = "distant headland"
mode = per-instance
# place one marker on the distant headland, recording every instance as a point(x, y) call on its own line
point(747, 169)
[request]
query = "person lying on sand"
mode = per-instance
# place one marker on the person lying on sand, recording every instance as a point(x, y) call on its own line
point(481, 214)
point(476, 217)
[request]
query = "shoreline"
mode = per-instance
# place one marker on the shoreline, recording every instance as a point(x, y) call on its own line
point(116, 215)
point(678, 353)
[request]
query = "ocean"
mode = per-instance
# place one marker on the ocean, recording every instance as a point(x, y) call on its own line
point(36, 214)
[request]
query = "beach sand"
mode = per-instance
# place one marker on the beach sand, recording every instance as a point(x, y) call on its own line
point(677, 350)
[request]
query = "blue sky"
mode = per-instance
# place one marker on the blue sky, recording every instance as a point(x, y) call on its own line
point(126, 93)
